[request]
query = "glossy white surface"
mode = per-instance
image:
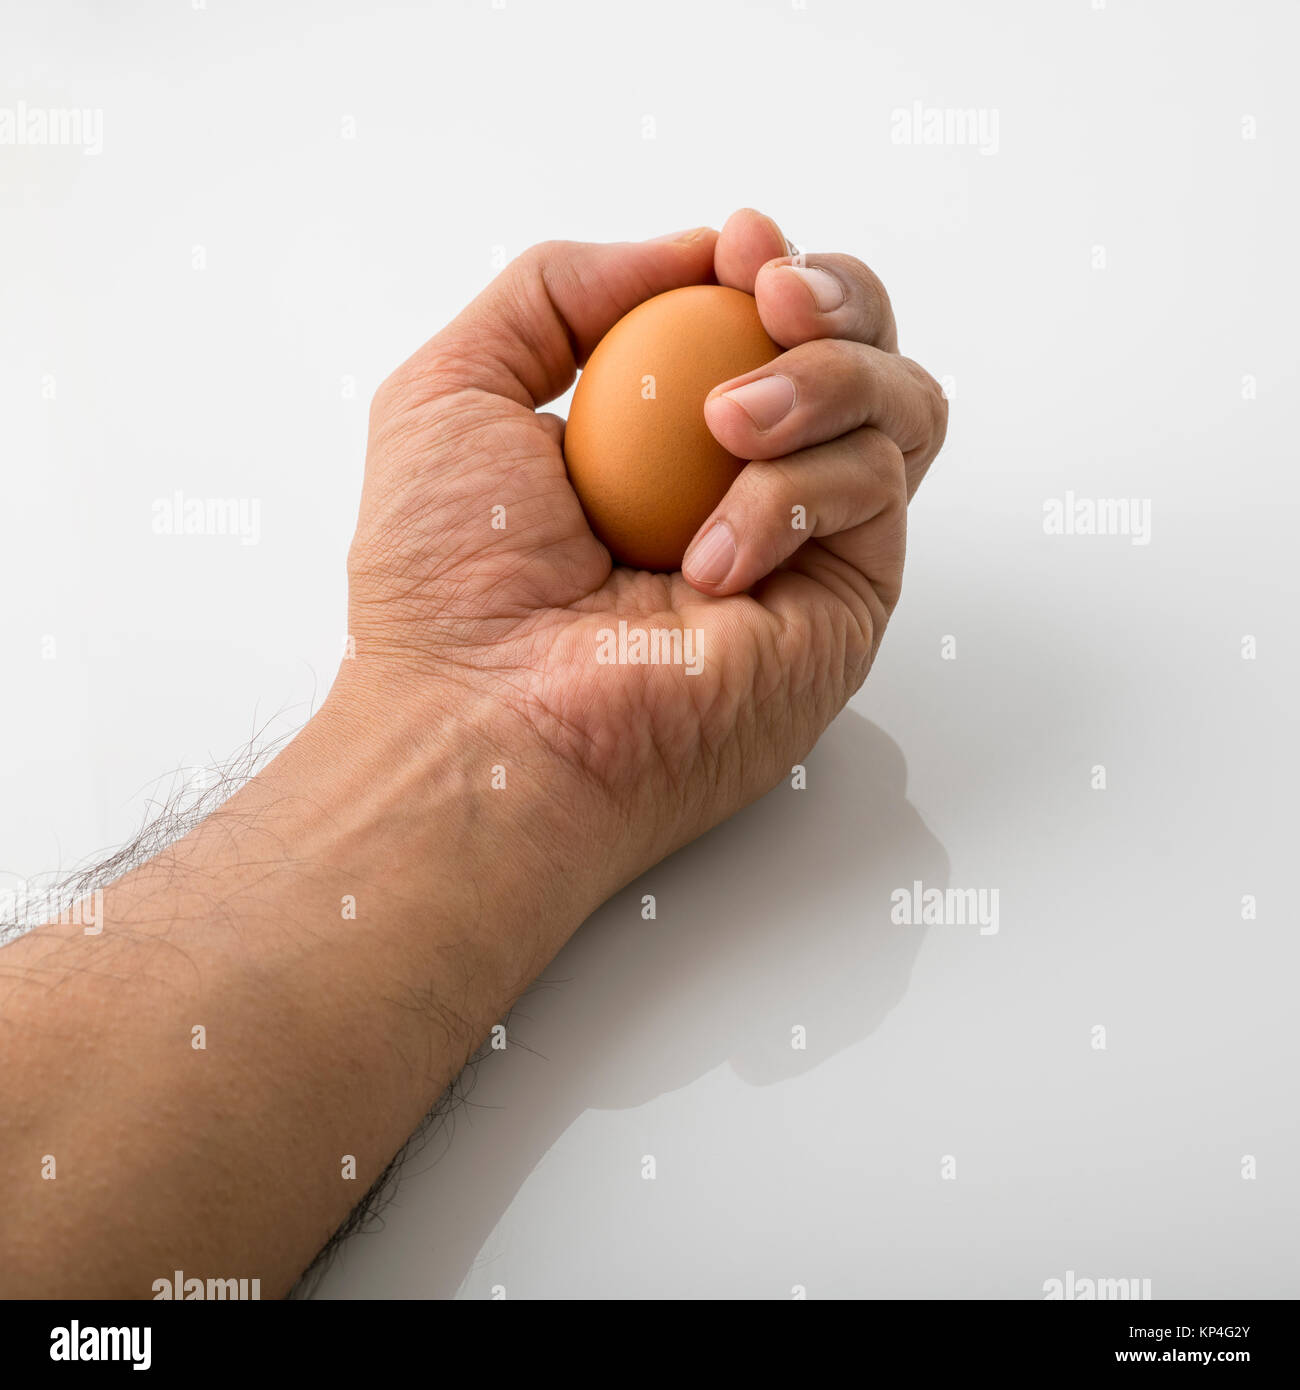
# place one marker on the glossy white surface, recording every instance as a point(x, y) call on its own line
point(1168, 377)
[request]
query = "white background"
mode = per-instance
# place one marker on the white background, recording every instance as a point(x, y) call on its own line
point(1167, 374)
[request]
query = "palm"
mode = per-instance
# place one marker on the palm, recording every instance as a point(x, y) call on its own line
point(772, 669)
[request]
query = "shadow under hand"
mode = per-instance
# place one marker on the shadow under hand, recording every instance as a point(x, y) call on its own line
point(778, 919)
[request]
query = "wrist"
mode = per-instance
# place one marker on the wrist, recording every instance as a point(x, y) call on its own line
point(439, 797)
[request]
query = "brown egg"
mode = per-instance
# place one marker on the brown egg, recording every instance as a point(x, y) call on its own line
point(641, 459)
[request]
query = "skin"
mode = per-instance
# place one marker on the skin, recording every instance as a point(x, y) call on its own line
point(475, 784)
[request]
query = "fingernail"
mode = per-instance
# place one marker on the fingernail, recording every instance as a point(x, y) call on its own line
point(826, 289)
point(709, 559)
point(765, 401)
point(780, 235)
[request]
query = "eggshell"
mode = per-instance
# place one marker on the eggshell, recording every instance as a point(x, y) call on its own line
point(640, 457)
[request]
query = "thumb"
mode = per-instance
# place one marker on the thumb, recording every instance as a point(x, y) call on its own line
point(528, 333)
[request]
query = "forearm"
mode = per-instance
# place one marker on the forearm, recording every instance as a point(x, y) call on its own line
point(343, 932)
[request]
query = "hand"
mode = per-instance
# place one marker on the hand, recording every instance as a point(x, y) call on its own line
point(344, 929)
point(641, 758)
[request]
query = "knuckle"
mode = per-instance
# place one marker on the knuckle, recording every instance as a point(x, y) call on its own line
point(778, 484)
point(826, 371)
point(934, 403)
point(824, 355)
point(389, 397)
point(940, 406)
point(536, 256)
point(886, 465)
point(870, 290)
point(540, 263)
point(525, 278)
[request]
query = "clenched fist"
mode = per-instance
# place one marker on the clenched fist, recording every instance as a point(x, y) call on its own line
point(504, 625)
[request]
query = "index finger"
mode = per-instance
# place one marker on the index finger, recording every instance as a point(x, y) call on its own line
point(748, 240)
